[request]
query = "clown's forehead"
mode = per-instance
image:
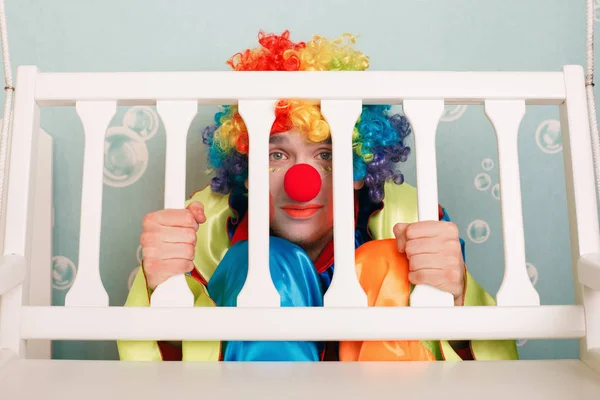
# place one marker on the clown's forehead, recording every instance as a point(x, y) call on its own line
point(286, 137)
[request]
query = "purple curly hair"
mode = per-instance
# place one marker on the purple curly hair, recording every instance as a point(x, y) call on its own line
point(378, 143)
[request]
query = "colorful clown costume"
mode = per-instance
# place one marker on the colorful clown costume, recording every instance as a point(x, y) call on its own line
point(221, 263)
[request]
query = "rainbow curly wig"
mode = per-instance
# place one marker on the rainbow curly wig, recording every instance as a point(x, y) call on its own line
point(378, 139)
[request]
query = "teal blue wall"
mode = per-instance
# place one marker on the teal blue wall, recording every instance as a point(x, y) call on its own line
point(159, 35)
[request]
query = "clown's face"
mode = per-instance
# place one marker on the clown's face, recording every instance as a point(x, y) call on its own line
point(309, 224)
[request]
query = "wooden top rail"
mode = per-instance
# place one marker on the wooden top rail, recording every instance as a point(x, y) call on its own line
point(372, 87)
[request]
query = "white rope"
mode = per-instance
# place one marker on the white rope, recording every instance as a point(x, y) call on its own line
point(6, 119)
point(589, 85)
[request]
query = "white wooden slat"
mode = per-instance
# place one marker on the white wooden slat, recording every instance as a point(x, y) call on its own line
point(88, 289)
point(177, 116)
point(588, 268)
point(4, 192)
point(24, 141)
point(226, 87)
point(581, 196)
point(11, 306)
point(259, 289)
point(424, 116)
point(345, 289)
point(12, 272)
point(591, 302)
point(303, 323)
point(579, 163)
point(516, 288)
point(40, 288)
point(19, 200)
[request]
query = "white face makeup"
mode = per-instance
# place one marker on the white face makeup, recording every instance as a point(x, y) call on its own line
point(307, 224)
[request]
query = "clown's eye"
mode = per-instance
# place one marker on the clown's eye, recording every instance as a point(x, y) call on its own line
point(325, 156)
point(277, 156)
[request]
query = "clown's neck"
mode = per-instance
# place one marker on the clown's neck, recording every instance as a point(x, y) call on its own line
point(315, 249)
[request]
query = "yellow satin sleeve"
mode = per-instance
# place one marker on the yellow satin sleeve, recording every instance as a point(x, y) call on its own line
point(212, 244)
point(148, 350)
point(212, 238)
point(399, 205)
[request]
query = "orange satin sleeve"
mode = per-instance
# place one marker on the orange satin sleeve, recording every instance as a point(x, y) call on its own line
point(383, 274)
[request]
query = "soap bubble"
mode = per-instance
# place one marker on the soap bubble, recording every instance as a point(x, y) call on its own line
point(487, 164)
point(452, 113)
point(138, 254)
point(63, 272)
point(533, 273)
point(496, 191)
point(548, 136)
point(478, 231)
point(482, 181)
point(125, 157)
point(521, 342)
point(142, 120)
point(132, 276)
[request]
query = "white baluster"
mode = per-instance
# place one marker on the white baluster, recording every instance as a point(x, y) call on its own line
point(19, 212)
point(424, 116)
point(258, 290)
point(87, 289)
point(177, 117)
point(40, 293)
point(581, 202)
point(516, 289)
point(345, 289)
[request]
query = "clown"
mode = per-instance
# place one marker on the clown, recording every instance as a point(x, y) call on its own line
point(394, 251)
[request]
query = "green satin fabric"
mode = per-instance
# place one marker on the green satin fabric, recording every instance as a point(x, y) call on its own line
point(213, 240)
point(148, 350)
point(138, 350)
point(399, 205)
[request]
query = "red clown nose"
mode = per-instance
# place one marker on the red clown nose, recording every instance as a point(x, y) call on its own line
point(302, 183)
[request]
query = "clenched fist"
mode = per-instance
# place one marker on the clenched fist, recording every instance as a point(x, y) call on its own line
point(168, 242)
point(434, 255)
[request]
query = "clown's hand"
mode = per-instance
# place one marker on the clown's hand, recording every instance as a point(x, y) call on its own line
point(168, 242)
point(434, 254)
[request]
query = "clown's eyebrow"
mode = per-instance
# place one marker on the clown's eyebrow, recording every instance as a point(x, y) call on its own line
point(278, 139)
point(281, 139)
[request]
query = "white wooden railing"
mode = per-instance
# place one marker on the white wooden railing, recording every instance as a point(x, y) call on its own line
point(86, 314)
